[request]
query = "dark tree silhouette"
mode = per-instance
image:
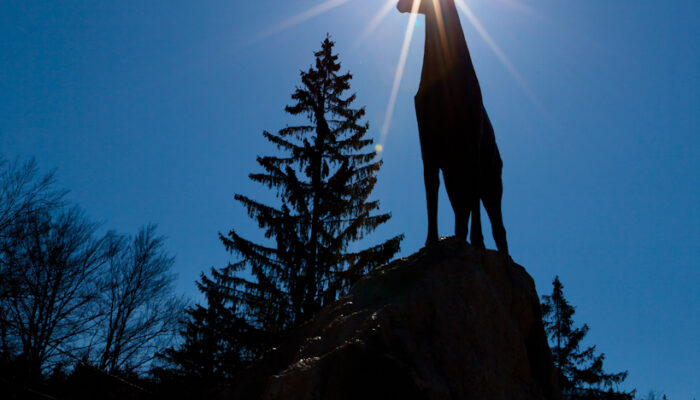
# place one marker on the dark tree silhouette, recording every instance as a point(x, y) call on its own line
point(323, 179)
point(23, 193)
point(213, 341)
point(581, 374)
point(139, 311)
point(73, 300)
point(51, 301)
point(653, 395)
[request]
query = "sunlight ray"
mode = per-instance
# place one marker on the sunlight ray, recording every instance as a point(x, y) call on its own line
point(399, 70)
point(376, 20)
point(523, 8)
point(498, 52)
point(301, 17)
point(441, 30)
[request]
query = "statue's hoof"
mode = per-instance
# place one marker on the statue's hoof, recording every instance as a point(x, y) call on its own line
point(431, 239)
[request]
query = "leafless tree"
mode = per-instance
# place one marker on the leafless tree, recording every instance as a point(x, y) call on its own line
point(23, 192)
point(50, 303)
point(140, 310)
point(66, 291)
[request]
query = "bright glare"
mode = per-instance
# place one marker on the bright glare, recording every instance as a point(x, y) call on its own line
point(377, 19)
point(412, 24)
point(497, 50)
point(522, 8)
point(301, 17)
point(399, 69)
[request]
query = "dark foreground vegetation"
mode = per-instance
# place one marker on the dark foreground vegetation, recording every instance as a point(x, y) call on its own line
point(78, 304)
point(90, 313)
point(580, 370)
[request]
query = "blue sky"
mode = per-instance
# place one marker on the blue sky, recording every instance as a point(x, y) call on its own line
point(153, 111)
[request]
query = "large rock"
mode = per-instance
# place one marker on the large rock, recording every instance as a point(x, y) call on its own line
point(449, 322)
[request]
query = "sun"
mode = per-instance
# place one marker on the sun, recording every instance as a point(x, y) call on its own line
point(376, 20)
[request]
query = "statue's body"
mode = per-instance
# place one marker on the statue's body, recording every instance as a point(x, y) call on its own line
point(456, 135)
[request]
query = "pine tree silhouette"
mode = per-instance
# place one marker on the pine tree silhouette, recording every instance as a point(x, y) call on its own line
point(580, 372)
point(213, 339)
point(323, 179)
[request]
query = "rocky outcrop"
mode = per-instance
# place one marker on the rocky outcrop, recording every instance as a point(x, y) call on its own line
point(448, 322)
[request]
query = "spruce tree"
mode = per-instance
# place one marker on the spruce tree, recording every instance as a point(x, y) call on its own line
point(323, 178)
point(580, 371)
point(212, 336)
point(323, 175)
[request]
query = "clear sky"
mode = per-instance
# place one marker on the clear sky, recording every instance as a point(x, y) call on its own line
point(153, 111)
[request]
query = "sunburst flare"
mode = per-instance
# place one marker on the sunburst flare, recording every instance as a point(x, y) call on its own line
point(399, 70)
point(301, 17)
point(376, 20)
point(498, 52)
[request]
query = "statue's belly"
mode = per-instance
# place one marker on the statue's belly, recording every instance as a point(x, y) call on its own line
point(448, 123)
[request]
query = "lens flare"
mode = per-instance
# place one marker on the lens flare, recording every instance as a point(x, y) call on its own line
point(523, 9)
point(399, 70)
point(376, 20)
point(301, 17)
point(498, 52)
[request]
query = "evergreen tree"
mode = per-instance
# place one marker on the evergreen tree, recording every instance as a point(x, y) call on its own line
point(323, 179)
point(580, 371)
point(211, 348)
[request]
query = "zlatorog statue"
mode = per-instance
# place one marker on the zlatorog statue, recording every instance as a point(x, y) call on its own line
point(456, 136)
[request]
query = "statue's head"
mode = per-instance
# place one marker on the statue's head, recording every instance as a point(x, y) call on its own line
point(424, 7)
point(406, 6)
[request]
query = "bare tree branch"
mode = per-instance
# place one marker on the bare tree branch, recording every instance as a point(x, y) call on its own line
point(140, 310)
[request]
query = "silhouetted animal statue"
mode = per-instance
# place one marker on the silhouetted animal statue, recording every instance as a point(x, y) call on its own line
point(456, 135)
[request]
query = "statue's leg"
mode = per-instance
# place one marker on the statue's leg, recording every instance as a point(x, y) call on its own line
point(459, 191)
point(477, 238)
point(431, 176)
point(427, 126)
point(492, 203)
